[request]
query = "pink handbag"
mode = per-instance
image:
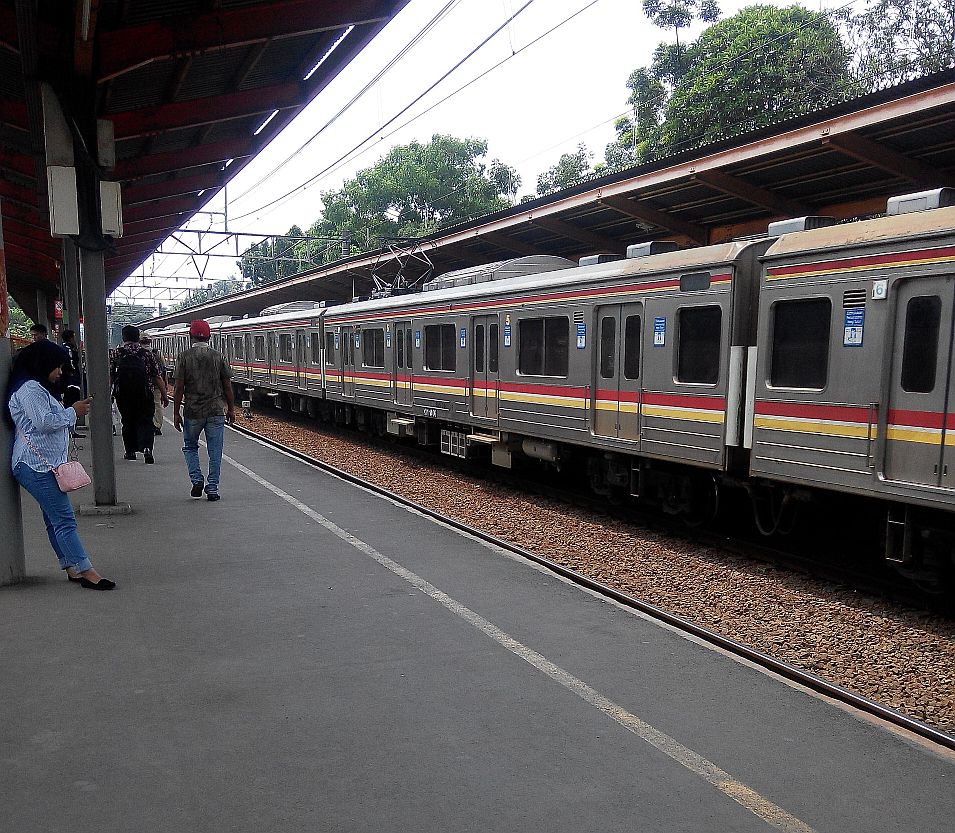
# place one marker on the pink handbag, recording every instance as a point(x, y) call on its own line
point(70, 475)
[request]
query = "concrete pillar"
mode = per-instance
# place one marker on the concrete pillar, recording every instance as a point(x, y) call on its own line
point(93, 282)
point(42, 307)
point(12, 561)
point(71, 285)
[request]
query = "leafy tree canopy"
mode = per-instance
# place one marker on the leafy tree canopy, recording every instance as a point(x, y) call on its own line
point(896, 40)
point(756, 68)
point(19, 323)
point(570, 169)
point(415, 190)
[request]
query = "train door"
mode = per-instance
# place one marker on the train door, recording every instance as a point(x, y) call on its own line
point(247, 352)
point(273, 341)
point(484, 387)
point(348, 361)
point(402, 360)
point(617, 373)
point(301, 358)
point(919, 396)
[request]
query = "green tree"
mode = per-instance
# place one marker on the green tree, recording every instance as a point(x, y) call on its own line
point(203, 295)
point(415, 190)
point(275, 258)
point(570, 169)
point(895, 40)
point(751, 70)
point(679, 14)
point(19, 323)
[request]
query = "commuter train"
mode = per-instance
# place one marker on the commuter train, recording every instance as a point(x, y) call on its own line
point(815, 359)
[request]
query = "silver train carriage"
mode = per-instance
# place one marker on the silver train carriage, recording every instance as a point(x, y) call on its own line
point(809, 359)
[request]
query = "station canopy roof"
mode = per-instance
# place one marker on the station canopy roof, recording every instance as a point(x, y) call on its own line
point(187, 85)
point(843, 162)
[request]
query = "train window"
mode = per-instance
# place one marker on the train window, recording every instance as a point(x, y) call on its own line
point(329, 347)
point(479, 348)
point(698, 345)
point(923, 314)
point(631, 347)
point(608, 348)
point(409, 343)
point(285, 347)
point(440, 347)
point(543, 346)
point(315, 341)
point(259, 347)
point(492, 353)
point(399, 348)
point(373, 348)
point(695, 282)
point(237, 347)
point(800, 350)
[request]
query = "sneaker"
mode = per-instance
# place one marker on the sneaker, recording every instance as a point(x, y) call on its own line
point(196, 490)
point(148, 454)
point(213, 496)
point(129, 456)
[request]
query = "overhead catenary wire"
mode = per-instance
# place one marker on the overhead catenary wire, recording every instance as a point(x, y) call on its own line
point(394, 118)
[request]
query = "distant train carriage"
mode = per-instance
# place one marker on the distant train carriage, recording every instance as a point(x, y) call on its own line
point(816, 358)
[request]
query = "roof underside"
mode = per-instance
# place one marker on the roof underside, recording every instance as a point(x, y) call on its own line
point(186, 84)
point(843, 162)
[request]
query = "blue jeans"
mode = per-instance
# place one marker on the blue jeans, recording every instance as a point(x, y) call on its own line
point(58, 516)
point(214, 427)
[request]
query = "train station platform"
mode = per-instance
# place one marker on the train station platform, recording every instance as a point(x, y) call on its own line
point(307, 656)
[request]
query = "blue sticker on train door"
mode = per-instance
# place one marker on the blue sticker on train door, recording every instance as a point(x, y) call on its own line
point(357, 339)
point(581, 336)
point(464, 337)
point(507, 335)
point(388, 338)
point(854, 326)
point(417, 339)
point(337, 341)
point(659, 331)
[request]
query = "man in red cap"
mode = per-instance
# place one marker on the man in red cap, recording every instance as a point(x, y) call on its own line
point(204, 379)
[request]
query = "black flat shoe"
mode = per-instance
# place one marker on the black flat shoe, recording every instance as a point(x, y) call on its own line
point(76, 579)
point(102, 584)
point(196, 490)
point(213, 496)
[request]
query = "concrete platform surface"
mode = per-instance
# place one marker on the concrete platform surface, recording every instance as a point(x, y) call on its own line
point(306, 656)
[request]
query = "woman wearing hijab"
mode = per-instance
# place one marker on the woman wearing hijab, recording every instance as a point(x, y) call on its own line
point(42, 422)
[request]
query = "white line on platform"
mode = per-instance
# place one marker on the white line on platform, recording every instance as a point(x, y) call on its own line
point(700, 766)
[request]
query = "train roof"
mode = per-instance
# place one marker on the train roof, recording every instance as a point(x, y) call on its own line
point(650, 266)
point(934, 223)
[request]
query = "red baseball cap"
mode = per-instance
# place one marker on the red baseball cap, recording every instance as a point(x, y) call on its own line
point(199, 329)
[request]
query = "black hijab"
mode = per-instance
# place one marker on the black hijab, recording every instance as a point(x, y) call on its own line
point(36, 361)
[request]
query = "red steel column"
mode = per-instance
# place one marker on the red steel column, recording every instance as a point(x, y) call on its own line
point(12, 562)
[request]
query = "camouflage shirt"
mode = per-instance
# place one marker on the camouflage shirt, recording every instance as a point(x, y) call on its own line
point(204, 374)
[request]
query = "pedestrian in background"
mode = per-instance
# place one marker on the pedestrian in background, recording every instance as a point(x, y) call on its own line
point(204, 381)
point(134, 376)
point(41, 444)
point(38, 332)
point(159, 401)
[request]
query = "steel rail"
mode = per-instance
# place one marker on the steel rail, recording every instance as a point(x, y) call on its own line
point(783, 669)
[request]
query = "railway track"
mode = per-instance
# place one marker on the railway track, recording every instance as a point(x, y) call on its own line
point(762, 659)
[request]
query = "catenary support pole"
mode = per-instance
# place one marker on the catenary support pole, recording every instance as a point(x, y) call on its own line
point(93, 283)
point(12, 561)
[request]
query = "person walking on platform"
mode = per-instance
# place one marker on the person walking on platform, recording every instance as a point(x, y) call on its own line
point(134, 376)
point(72, 380)
point(39, 332)
point(204, 380)
point(41, 444)
point(158, 402)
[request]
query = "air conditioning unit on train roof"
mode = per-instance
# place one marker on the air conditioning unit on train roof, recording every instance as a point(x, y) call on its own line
point(793, 224)
point(922, 201)
point(293, 306)
point(499, 270)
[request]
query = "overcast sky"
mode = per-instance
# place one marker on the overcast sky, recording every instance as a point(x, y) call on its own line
point(564, 89)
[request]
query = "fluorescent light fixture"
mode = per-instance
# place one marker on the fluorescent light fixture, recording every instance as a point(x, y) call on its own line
point(226, 165)
point(331, 49)
point(261, 127)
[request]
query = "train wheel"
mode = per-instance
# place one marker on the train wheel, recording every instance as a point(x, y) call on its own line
point(704, 501)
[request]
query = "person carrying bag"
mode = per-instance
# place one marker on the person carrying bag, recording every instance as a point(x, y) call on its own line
point(41, 449)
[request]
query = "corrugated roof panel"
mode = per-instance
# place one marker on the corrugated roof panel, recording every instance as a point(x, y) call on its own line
point(136, 12)
point(11, 77)
point(213, 73)
point(173, 140)
point(282, 60)
point(146, 86)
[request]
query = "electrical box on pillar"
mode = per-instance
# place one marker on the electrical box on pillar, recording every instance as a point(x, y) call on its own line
point(60, 170)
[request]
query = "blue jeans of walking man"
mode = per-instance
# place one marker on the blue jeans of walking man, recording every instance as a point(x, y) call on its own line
point(214, 426)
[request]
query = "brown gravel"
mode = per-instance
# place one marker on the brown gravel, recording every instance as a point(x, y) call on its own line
point(895, 656)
